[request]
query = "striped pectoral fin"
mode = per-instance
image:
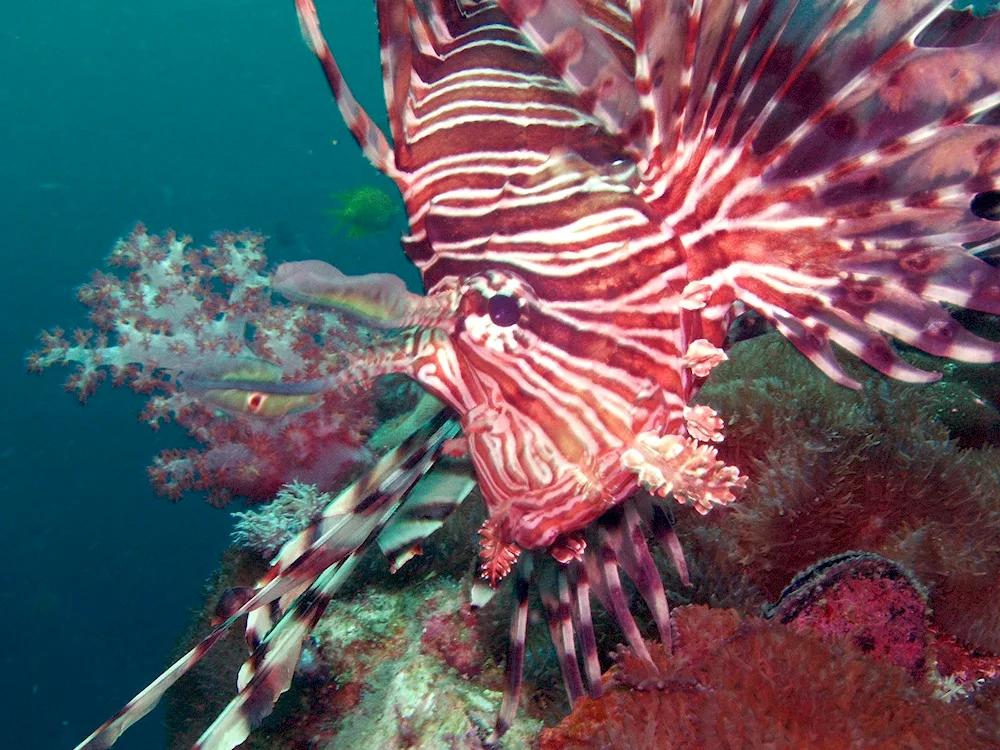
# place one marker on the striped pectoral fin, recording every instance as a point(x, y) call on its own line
point(310, 567)
point(865, 152)
point(786, 65)
point(871, 289)
point(318, 556)
point(923, 123)
point(889, 166)
point(417, 504)
point(108, 733)
point(874, 129)
point(856, 222)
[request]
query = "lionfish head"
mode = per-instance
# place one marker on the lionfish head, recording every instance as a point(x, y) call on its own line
point(561, 419)
point(547, 449)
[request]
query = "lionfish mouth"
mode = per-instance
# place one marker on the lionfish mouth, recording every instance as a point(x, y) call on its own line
point(539, 519)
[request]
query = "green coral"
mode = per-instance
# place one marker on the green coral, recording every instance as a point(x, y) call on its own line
point(362, 210)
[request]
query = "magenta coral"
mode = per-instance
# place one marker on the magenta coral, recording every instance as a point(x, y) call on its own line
point(179, 308)
point(875, 603)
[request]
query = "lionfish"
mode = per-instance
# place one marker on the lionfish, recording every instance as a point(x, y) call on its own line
point(591, 187)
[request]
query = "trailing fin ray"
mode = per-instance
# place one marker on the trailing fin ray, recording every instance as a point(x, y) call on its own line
point(362, 127)
point(309, 563)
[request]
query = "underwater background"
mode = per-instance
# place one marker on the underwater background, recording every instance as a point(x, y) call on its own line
point(187, 115)
point(203, 117)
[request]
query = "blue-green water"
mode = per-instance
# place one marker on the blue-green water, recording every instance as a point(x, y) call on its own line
point(192, 115)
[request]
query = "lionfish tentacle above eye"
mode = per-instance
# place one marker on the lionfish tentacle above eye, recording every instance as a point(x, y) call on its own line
point(379, 299)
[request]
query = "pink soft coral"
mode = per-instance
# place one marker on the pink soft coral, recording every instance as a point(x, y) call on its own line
point(182, 308)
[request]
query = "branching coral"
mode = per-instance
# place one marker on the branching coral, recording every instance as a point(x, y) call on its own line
point(265, 530)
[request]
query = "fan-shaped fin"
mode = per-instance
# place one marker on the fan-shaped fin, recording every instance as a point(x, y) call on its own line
point(814, 344)
point(856, 166)
point(825, 50)
point(663, 62)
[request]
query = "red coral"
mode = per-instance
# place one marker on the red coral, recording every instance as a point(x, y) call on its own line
point(181, 308)
point(740, 682)
point(453, 636)
point(966, 669)
point(834, 470)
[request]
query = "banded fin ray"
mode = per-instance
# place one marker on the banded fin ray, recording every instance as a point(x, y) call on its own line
point(269, 671)
point(842, 215)
point(310, 567)
point(428, 505)
point(367, 134)
point(566, 37)
point(798, 140)
point(415, 511)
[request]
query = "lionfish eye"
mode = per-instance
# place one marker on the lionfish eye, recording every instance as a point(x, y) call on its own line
point(504, 310)
point(987, 205)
